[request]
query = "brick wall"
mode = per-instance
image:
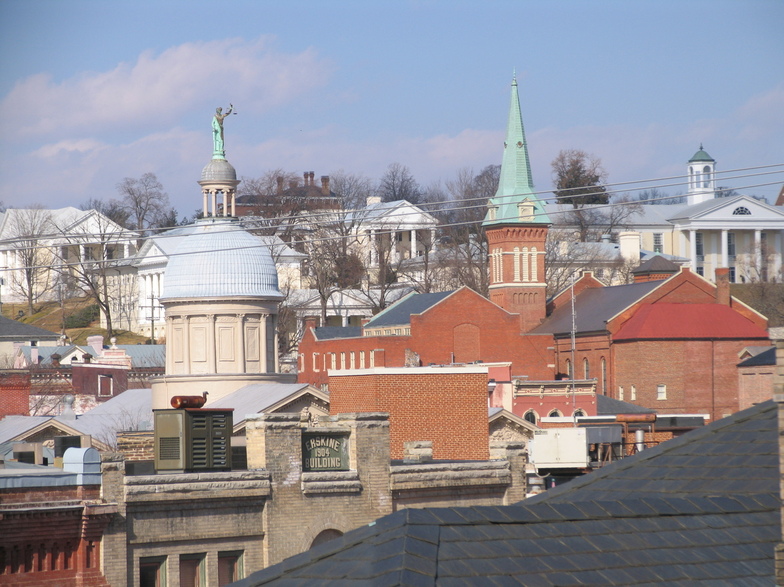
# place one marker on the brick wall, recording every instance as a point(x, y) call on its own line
point(136, 446)
point(14, 393)
point(447, 406)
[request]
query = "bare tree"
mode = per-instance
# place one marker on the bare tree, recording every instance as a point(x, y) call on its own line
point(88, 258)
point(145, 202)
point(112, 209)
point(579, 178)
point(32, 277)
point(398, 183)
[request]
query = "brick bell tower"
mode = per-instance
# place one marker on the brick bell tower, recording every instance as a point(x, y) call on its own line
point(516, 226)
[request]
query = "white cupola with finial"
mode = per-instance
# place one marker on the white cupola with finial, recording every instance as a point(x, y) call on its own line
point(702, 177)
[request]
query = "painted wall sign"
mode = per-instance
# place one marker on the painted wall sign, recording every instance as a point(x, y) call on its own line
point(325, 452)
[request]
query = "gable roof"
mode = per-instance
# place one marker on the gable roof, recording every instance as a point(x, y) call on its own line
point(400, 312)
point(700, 508)
point(608, 406)
point(676, 321)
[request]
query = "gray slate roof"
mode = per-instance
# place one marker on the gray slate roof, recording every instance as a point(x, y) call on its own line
point(593, 307)
point(400, 313)
point(254, 398)
point(607, 406)
point(331, 332)
point(700, 509)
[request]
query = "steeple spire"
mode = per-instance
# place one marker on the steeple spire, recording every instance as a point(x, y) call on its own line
point(515, 200)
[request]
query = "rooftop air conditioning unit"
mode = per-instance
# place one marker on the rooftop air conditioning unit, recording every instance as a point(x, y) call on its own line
point(192, 440)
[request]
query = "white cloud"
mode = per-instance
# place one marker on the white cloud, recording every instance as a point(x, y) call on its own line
point(158, 88)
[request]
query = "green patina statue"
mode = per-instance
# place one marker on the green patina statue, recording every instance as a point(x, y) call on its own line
point(218, 150)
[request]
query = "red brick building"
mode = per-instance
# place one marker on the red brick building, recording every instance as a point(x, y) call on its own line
point(422, 329)
point(412, 396)
point(667, 342)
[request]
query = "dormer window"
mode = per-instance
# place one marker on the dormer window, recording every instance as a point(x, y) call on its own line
point(526, 211)
point(492, 213)
point(741, 211)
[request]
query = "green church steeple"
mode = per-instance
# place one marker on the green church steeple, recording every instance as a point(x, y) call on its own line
point(515, 200)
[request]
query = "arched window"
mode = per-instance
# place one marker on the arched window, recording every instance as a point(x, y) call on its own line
point(706, 176)
point(568, 369)
point(531, 416)
point(579, 413)
point(604, 376)
point(741, 211)
point(586, 369)
point(326, 536)
point(554, 414)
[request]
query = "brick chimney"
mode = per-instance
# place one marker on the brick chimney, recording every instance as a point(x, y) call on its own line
point(325, 185)
point(56, 360)
point(723, 286)
point(311, 178)
point(96, 342)
point(279, 180)
point(306, 176)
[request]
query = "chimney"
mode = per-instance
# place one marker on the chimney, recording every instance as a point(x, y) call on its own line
point(292, 184)
point(306, 174)
point(629, 242)
point(87, 357)
point(373, 200)
point(325, 185)
point(279, 179)
point(311, 322)
point(96, 342)
point(312, 178)
point(56, 360)
point(723, 286)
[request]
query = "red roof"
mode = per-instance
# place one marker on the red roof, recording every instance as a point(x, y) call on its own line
point(680, 321)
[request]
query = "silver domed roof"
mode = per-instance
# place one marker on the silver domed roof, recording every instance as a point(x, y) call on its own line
point(221, 260)
point(218, 170)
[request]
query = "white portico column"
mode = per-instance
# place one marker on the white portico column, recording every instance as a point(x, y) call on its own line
point(214, 194)
point(204, 197)
point(233, 196)
point(725, 260)
point(393, 244)
point(758, 258)
point(263, 342)
point(693, 249)
point(413, 243)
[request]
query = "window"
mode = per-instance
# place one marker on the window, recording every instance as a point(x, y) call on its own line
point(492, 212)
point(315, 362)
point(554, 414)
point(604, 376)
point(620, 392)
point(658, 242)
point(525, 211)
point(361, 359)
point(699, 245)
point(579, 414)
point(633, 392)
point(342, 360)
point(731, 244)
point(152, 571)
point(229, 567)
point(352, 359)
point(661, 391)
point(586, 369)
point(706, 176)
point(731, 275)
point(192, 570)
point(105, 387)
point(741, 211)
point(568, 369)
point(530, 416)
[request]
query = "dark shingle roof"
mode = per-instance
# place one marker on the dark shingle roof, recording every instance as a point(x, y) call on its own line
point(400, 313)
point(19, 331)
point(330, 332)
point(607, 406)
point(656, 264)
point(764, 358)
point(593, 307)
point(703, 508)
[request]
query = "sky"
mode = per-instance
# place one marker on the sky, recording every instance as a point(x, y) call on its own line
point(96, 91)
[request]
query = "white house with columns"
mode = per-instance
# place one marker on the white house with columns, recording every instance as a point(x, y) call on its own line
point(739, 232)
point(393, 231)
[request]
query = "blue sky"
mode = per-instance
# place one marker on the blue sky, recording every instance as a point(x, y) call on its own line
point(95, 91)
